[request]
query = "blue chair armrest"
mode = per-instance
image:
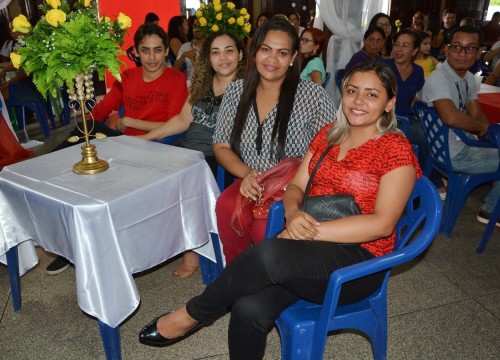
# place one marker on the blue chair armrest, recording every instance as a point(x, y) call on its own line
point(172, 139)
point(472, 142)
point(494, 134)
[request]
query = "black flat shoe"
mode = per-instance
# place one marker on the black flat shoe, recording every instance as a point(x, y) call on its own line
point(150, 335)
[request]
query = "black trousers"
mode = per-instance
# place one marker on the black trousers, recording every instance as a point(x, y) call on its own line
point(263, 281)
point(93, 129)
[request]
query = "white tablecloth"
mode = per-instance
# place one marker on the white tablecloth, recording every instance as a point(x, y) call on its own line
point(154, 202)
point(488, 89)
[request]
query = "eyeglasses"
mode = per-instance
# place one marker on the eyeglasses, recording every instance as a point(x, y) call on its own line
point(458, 49)
point(306, 41)
point(384, 25)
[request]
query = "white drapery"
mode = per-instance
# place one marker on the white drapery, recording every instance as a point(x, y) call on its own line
point(4, 4)
point(347, 20)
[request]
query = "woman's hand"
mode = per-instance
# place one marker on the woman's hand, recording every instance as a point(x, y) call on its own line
point(300, 226)
point(250, 186)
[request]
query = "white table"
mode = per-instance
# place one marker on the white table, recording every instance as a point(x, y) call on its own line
point(154, 202)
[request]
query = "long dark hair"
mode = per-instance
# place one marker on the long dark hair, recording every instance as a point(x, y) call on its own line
point(252, 79)
point(175, 27)
point(388, 39)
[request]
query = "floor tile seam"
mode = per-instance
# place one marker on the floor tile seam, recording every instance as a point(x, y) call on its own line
point(212, 356)
point(485, 308)
point(5, 307)
point(455, 283)
point(433, 307)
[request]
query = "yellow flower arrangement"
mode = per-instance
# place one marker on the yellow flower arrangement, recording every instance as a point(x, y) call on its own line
point(65, 43)
point(398, 24)
point(21, 24)
point(217, 16)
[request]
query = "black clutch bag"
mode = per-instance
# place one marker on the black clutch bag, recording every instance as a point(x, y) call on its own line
point(328, 207)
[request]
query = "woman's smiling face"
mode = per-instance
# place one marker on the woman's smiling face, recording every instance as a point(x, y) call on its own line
point(365, 99)
point(274, 56)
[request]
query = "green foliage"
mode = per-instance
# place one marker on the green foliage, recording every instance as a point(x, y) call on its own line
point(55, 55)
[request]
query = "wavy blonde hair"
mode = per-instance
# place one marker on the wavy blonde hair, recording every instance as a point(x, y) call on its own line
point(203, 73)
point(387, 122)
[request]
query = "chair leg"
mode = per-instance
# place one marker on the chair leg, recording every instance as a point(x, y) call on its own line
point(495, 215)
point(454, 204)
point(111, 341)
point(41, 114)
point(21, 120)
point(15, 283)
point(210, 270)
point(50, 113)
point(297, 338)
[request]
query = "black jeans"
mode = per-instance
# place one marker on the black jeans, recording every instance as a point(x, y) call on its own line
point(95, 127)
point(263, 281)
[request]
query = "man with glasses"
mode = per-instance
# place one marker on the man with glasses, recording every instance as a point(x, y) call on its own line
point(452, 90)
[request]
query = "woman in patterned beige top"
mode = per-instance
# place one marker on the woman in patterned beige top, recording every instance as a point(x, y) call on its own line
point(268, 116)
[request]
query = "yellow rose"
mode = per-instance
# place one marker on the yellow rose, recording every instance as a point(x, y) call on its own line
point(240, 21)
point(217, 7)
point(199, 14)
point(16, 59)
point(203, 21)
point(86, 3)
point(243, 11)
point(230, 5)
point(55, 16)
point(247, 16)
point(231, 21)
point(104, 19)
point(218, 16)
point(54, 4)
point(216, 2)
point(203, 6)
point(214, 28)
point(247, 27)
point(21, 24)
point(124, 20)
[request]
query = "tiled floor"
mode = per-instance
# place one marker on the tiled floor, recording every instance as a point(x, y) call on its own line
point(445, 305)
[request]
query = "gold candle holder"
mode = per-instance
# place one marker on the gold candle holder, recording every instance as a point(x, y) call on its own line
point(83, 95)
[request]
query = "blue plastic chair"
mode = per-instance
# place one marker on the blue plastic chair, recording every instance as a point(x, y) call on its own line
point(304, 326)
point(24, 94)
point(485, 68)
point(494, 136)
point(460, 184)
point(339, 75)
point(327, 79)
point(404, 126)
point(172, 138)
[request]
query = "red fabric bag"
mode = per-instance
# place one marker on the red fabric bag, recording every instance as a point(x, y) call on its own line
point(10, 149)
point(274, 181)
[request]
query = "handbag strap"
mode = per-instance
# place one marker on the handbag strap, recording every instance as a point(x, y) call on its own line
point(316, 167)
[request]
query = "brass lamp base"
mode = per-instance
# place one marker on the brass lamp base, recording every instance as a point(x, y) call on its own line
point(90, 163)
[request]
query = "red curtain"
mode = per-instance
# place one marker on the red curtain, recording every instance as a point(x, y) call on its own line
point(137, 11)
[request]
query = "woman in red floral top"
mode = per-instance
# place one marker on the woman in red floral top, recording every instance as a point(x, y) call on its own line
point(371, 160)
